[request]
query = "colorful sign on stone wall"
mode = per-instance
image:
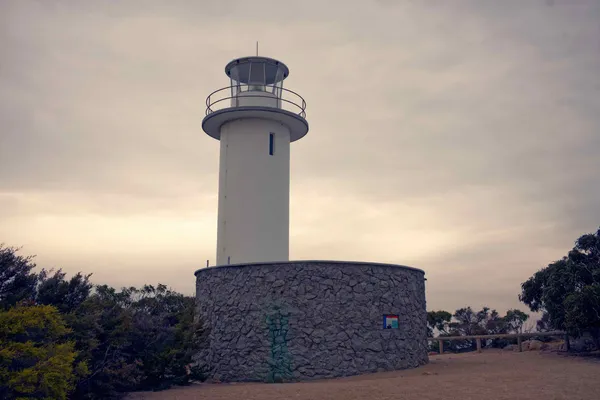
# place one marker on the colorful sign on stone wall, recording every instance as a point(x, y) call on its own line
point(390, 321)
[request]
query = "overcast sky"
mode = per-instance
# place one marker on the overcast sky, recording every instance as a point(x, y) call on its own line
point(459, 137)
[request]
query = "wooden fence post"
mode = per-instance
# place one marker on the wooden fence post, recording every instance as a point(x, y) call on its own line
point(567, 343)
point(441, 344)
point(519, 343)
point(478, 345)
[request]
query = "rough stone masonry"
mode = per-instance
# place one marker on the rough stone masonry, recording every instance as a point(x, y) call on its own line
point(293, 321)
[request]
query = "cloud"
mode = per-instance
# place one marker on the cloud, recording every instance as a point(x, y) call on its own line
point(459, 137)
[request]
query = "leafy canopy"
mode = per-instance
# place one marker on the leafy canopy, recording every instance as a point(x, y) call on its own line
point(17, 282)
point(35, 359)
point(567, 291)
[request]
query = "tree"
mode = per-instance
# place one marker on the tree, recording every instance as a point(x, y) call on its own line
point(100, 328)
point(136, 339)
point(543, 324)
point(514, 320)
point(17, 282)
point(492, 321)
point(568, 290)
point(547, 290)
point(66, 295)
point(469, 322)
point(438, 320)
point(165, 335)
point(35, 359)
point(582, 312)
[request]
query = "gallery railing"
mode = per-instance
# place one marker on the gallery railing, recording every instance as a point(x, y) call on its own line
point(237, 96)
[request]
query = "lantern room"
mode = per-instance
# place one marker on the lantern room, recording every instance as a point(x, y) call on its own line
point(257, 74)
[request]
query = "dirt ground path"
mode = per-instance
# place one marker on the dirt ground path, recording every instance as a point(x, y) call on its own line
point(492, 375)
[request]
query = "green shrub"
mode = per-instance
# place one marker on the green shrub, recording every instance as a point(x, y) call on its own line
point(35, 359)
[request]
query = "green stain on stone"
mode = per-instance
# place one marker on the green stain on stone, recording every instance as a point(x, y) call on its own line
point(280, 363)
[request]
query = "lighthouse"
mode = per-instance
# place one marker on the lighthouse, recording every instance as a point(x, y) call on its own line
point(255, 119)
point(261, 309)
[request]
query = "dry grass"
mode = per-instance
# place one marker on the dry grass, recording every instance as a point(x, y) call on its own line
point(492, 375)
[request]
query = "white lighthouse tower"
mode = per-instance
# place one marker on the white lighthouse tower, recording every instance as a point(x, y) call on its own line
point(256, 119)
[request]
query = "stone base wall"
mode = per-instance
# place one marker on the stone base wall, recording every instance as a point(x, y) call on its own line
point(278, 322)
